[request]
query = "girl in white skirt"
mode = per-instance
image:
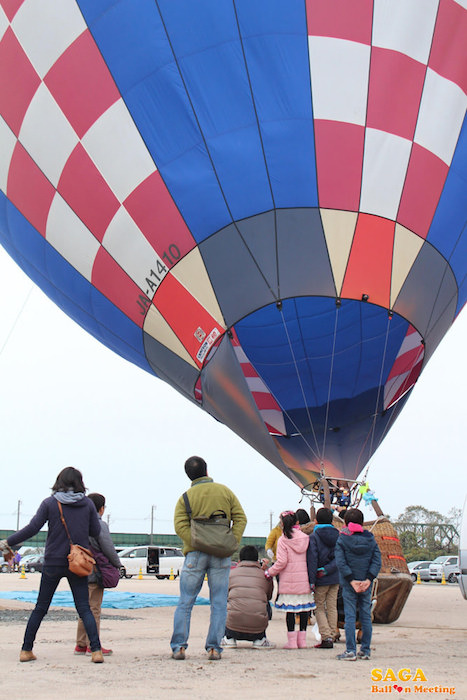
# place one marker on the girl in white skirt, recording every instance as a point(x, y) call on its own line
point(295, 594)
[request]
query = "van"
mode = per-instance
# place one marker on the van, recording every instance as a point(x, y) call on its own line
point(447, 565)
point(161, 561)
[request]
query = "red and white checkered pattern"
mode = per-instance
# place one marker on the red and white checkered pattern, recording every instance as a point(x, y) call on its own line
point(73, 162)
point(399, 143)
point(406, 368)
point(46, 30)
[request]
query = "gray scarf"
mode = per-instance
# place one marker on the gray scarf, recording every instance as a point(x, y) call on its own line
point(68, 496)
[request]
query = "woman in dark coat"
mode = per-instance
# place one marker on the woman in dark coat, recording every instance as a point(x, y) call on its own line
point(81, 518)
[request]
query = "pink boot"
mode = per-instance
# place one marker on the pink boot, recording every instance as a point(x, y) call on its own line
point(301, 640)
point(291, 640)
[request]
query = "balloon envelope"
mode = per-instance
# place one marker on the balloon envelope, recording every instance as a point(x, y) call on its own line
point(262, 203)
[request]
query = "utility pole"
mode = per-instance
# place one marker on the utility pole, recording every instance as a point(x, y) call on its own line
point(270, 519)
point(153, 508)
point(17, 515)
point(108, 520)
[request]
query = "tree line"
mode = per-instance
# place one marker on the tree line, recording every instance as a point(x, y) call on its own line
point(426, 534)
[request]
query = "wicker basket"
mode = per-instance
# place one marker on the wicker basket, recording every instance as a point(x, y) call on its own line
point(392, 557)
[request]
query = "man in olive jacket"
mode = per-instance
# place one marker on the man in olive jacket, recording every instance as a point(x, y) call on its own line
point(205, 497)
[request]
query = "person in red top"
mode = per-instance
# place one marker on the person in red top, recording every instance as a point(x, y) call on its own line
point(295, 594)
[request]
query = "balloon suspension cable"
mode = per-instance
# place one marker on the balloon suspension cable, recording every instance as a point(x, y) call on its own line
point(375, 416)
point(371, 431)
point(315, 452)
point(365, 473)
point(10, 333)
point(330, 383)
point(284, 411)
point(388, 425)
point(393, 415)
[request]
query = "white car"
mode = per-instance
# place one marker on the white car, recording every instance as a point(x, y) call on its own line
point(449, 565)
point(419, 567)
point(161, 561)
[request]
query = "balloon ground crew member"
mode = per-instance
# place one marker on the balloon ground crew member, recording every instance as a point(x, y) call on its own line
point(205, 498)
point(272, 540)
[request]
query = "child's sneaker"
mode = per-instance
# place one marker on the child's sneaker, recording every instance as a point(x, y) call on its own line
point(263, 643)
point(347, 656)
point(363, 655)
point(226, 642)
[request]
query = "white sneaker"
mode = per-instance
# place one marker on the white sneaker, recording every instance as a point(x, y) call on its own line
point(263, 643)
point(225, 642)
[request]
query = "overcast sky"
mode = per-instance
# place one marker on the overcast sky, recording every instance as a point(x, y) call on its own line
point(68, 400)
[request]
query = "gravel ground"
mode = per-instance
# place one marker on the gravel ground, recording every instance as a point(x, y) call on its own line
point(429, 635)
point(15, 616)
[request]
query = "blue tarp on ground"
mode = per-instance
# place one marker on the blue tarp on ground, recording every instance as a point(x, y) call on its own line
point(112, 599)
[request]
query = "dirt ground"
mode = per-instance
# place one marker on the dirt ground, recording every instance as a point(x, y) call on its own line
point(430, 635)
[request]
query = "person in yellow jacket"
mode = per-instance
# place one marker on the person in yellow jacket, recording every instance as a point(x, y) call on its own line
point(271, 542)
point(205, 497)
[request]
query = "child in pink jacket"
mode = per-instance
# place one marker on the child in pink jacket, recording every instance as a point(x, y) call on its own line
point(295, 595)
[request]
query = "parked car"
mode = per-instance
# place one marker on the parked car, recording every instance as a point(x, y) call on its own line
point(4, 567)
point(160, 561)
point(449, 565)
point(26, 558)
point(419, 567)
point(34, 564)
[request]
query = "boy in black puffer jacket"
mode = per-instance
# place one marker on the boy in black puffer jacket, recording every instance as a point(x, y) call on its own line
point(359, 561)
point(323, 574)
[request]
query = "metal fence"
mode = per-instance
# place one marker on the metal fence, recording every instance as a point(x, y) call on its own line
point(130, 539)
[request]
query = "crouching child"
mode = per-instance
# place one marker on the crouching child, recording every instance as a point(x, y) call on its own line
point(248, 602)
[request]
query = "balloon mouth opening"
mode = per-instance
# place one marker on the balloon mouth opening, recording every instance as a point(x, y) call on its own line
point(319, 375)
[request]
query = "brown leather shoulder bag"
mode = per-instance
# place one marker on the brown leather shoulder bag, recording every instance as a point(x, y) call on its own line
point(80, 560)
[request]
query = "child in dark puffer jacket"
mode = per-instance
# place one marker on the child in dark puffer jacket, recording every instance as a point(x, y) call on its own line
point(324, 576)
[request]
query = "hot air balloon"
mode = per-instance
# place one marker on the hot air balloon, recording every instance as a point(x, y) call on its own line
point(261, 203)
